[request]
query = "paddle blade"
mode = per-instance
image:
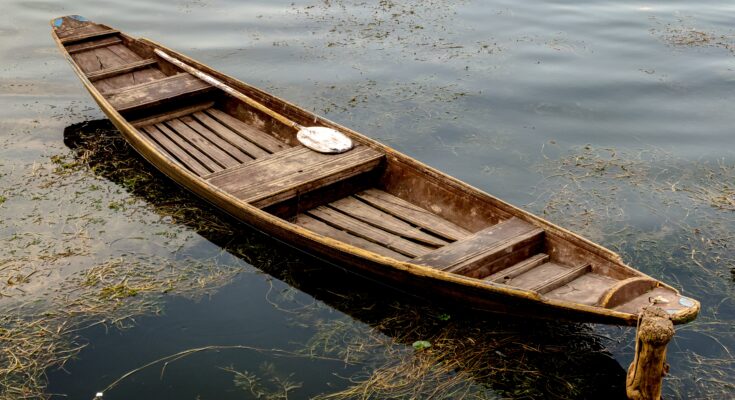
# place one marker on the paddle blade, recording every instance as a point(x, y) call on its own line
point(324, 140)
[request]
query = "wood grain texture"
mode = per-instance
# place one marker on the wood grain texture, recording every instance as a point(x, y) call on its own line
point(519, 268)
point(122, 69)
point(587, 289)
point(175, 113)
point(202, 142)
point(82, 36)
point(249, 132)
point(215, 139)
point(542, 273)
point(171, 148)
point(413, 214)
point(193, 151)
point(561, 279)
point(369, 232)
point(387, 222)
point(483, 247)
point(253, 150)
point(321, 228)
point(156, 92)
point(93, 44)
point(272, 179)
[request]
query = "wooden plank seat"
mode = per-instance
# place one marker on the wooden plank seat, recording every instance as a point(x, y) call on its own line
point(280, 176)
point(156, 92)
point(88, 36)
point(488, 250)
point(120, 70)
point(91, 45)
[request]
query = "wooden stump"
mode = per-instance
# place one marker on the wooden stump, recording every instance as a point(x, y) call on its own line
point(649, 366)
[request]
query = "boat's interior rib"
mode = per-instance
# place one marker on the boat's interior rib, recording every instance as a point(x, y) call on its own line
point(360, 197)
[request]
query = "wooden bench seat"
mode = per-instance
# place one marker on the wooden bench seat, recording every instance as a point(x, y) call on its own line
point(280, 176)
point(488, 250)
point(88, 36)
point(92, 44)
point(122, 69)
point(156, 92)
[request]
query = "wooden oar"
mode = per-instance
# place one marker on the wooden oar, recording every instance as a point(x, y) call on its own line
point(318, 138)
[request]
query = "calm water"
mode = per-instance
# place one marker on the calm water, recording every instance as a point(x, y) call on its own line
point(611, 118)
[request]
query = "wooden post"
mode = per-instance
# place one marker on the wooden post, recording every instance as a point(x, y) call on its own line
point(649, 366)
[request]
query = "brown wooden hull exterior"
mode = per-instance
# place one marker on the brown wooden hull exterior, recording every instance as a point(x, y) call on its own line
point(405, 176)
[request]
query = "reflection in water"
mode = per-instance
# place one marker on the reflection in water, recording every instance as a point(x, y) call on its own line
point(470, 355)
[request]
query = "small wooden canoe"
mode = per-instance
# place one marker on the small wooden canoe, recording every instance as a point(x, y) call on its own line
point(371, 209)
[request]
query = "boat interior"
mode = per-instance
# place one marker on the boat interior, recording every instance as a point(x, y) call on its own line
point(366, 197)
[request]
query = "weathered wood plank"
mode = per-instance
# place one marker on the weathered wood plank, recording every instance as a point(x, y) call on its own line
point(156, 92)
point(87, 46)
point(173, 149)
point(226, 133)
point(522, 267)
point(366, 231)
point(202, 143)
point(226, 146)
point(285, 174)
point(542, 273)
point(413, 214)
point(587, 289)
point(562, 279)
point(187, 147)
point(87, 61)
point(251, 133)
point(123, 69)
point(88, 35)
point(179, 112)
point(371, 215)
point(484, 247)
point(321, 228)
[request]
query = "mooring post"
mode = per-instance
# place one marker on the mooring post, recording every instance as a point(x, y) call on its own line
point(649, 366)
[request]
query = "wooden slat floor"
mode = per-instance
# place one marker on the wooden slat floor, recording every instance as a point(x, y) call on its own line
point(201, 143)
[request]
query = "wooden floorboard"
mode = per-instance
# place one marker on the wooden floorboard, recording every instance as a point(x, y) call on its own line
point(228, 134)
point(323, 229)
point(226, 146)
point(369, 232)
point(189, 149)
point(175, 150)
point(587, 289)
point(561, 279)
point(524, 266)
point(387, 222)
point(413, 214)
point(542, 273)
point(252, 134)
point(202, 143)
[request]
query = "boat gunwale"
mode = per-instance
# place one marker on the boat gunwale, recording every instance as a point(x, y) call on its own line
point(240, 209)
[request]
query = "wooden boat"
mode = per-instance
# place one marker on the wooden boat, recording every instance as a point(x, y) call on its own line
point(371, 209)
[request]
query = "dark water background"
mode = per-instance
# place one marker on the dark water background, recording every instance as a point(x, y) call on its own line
point(614, 119)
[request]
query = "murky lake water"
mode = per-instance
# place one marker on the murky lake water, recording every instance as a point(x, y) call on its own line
point(613, 119)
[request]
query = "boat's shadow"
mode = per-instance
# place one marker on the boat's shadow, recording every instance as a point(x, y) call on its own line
point(518, 358)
